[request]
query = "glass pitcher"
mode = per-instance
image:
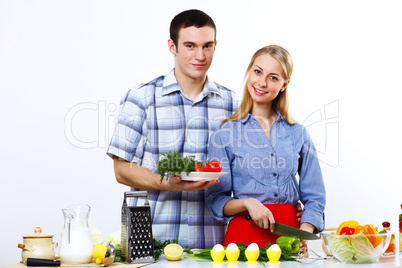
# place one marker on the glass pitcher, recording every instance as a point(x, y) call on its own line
point(76, 243)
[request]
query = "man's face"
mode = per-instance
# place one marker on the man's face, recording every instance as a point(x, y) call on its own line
point(194, 52)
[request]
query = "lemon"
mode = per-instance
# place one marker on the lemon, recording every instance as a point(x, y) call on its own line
point(99, 253)
point(173, 252)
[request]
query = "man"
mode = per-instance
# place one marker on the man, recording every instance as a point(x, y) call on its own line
point(177, 112)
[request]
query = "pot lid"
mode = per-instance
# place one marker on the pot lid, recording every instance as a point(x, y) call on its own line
point(38, 234)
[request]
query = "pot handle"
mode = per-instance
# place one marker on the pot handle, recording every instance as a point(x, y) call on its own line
point(26, 247)
point(54, 245)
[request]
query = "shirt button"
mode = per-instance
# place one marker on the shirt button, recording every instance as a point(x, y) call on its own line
point(272, 154)
point(274, 174)
point(276, 195)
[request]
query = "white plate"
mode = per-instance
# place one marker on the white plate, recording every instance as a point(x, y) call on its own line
point(197, 176)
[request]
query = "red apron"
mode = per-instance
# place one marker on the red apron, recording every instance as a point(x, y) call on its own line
point(242, 231)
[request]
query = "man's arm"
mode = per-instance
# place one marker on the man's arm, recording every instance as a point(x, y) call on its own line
point(134, 175)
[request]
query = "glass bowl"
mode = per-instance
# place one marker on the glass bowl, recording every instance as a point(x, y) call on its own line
point(358, 248)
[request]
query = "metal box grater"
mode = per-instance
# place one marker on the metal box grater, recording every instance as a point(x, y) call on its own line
point(136, 230)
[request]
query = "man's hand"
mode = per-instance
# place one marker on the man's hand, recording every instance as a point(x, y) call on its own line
point(136, 176)
point(176, 184)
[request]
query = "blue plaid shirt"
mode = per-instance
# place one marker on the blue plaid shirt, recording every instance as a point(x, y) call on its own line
point(157, 117)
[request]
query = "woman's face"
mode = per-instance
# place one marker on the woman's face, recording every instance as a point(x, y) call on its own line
point(265, 79)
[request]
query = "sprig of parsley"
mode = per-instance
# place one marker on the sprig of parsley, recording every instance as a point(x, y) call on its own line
point(174, 163)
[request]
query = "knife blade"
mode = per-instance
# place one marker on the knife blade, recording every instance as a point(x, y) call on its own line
point(283, 229)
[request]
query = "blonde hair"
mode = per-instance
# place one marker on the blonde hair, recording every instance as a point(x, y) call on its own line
point(281, 102)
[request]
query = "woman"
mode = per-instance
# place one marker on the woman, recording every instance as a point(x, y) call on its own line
point(263, 149)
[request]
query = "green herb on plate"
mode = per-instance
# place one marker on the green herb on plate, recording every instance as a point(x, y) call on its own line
point(174, 163)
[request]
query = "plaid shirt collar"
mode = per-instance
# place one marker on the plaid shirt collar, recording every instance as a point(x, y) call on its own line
point(171, 85)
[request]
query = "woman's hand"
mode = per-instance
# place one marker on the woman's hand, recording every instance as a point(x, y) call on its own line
point(303, 243)
point(261, 215)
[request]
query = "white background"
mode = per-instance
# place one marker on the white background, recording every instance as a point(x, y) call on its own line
point(65, 65)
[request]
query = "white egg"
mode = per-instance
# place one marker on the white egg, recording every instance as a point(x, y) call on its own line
point(217, 247)
point(232, 247)
point(253, 247)
point(274, 247)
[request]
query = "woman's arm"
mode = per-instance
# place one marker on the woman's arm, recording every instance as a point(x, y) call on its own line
point(311, 183)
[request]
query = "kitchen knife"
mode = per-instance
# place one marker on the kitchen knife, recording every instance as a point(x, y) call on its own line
point(42, 262)
point(282, 229)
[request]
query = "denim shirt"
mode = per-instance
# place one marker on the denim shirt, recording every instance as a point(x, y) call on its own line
point(281, 170)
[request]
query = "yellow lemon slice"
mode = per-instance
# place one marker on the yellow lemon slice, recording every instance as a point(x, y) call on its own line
point(173, 252)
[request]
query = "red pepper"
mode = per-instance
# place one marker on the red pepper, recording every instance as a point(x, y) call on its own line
point(347, 231)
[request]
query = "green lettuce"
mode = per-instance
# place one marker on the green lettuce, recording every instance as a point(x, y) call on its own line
point(365, 251)
point(342, 248)
point(354, 249)
point(115, 240)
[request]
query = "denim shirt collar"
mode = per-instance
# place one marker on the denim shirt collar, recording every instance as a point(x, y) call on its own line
point(248, 116)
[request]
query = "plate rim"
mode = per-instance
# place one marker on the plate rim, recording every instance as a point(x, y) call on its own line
point(194, 178)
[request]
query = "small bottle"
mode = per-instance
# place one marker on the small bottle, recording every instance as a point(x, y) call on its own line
point(400, 232)
point(391, 250)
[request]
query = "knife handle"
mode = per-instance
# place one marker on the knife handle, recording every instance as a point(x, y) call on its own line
point(248, 218)
point(42, 262)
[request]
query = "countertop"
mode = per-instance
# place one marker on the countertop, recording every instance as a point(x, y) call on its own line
point(317, 259)
point(113, 265)
point(311, 261)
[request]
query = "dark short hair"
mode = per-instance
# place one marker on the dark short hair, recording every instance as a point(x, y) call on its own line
point(188, 18)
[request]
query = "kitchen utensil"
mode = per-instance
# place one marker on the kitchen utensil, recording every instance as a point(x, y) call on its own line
point(136, 230)
point(76, 243)
point(38, 245)
point(109, 255)
point(197, 176)
point(42, 262)
point(282, 229)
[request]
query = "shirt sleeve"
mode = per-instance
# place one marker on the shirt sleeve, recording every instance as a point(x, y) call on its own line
point(218, 195)
point(312, 190)
point(129, 138)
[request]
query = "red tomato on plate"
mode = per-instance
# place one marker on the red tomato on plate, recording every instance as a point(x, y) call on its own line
point(199, 167)
point(214, 166)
